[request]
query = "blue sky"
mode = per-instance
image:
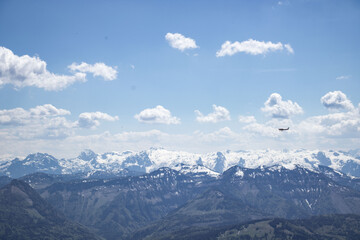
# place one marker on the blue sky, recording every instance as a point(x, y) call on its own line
point(287, 63)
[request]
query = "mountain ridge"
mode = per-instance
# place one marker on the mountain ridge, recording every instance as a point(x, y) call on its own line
point(242, 194)
point(113, 163)
point(119, 206)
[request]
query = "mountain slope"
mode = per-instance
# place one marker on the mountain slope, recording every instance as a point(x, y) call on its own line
point(4, 180)
point(195, 196)
point(319, 227)
point(115, 208)
point(242, 194)
point(335, 226)
point(25, 215)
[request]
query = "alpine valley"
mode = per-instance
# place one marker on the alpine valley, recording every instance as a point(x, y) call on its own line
point(162, 194)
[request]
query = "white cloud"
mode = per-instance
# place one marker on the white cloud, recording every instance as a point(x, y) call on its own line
point(316, 130)
point(220, 135)
point(247, 119)
point(219, 114)
point(91, 119)
point(339, 130)
point(48, 110)
point(336, 100)
point(46, 121)
point(178, 41)
point(153, 134)
point(24, 71)
point(344, 124)
point(289, 48)
point(343, 77)
point(252, 47)
point(49, 129)
point(262, 129)
point(97, 69)
point(159, 114)
point(43, 121)
point(271, 128)
point(19, 116)
point(277, 108)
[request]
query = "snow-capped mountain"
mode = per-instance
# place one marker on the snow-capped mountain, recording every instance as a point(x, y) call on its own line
point(155, 158)
point(38, 162)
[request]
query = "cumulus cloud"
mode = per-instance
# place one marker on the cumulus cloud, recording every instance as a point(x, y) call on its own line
point(178, 41)
point(46, 121)
point(219, 114)
point(247, 119)
point(277, 108)
point(336, 100)
point(159, 114)
point(344, 124)
point(320, 129)
point(24, 71)
point(91, 119)
point(252, 47)
point(20, 116)
point(97, 69)
point(48, 110)
point(335, 130)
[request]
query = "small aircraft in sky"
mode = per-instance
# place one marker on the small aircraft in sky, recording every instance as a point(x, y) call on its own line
point(283, 129)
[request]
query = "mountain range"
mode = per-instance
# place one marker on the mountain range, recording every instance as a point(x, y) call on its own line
point(166, 201)
point(112, 164)
point(161, 194)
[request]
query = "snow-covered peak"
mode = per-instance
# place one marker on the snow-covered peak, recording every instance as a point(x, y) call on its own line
point(87, 155)
point(290, 159)
point(165, 158)
point(195, 170)
point(215, 162)
point(39, 158)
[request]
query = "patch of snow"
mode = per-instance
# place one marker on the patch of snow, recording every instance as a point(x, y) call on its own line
point(195, 169)
point(239, 173)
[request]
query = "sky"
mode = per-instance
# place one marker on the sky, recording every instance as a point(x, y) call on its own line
point(197, 76)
